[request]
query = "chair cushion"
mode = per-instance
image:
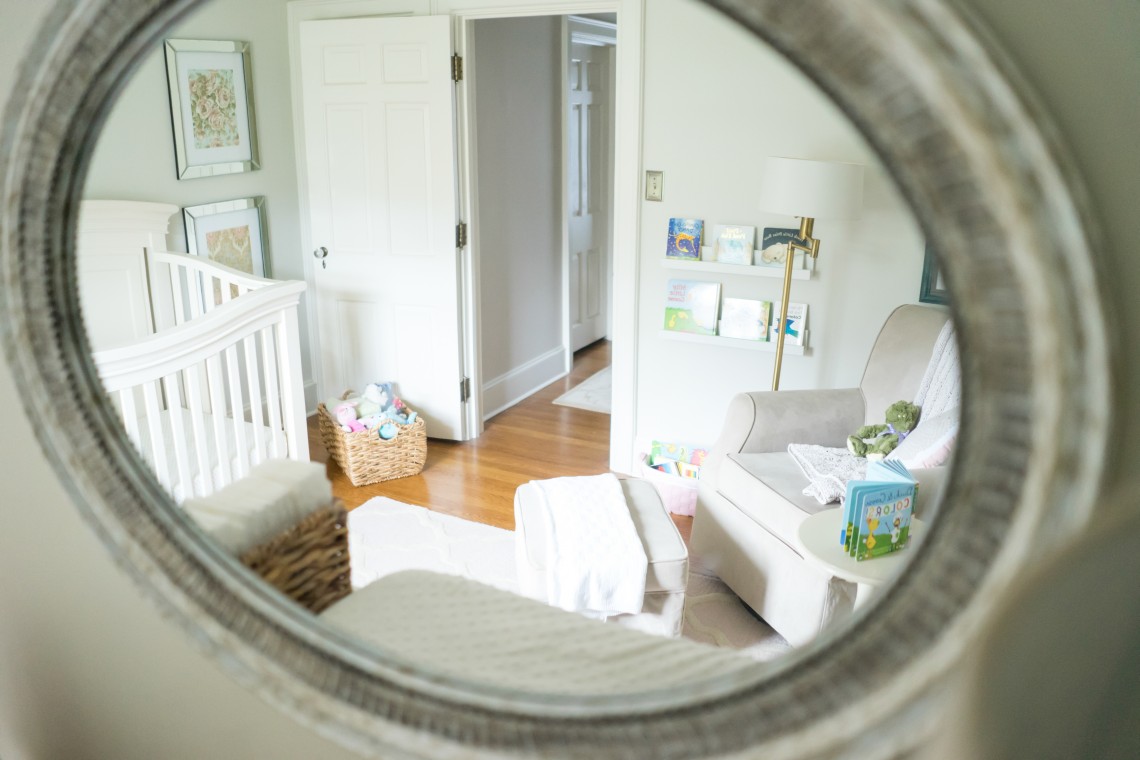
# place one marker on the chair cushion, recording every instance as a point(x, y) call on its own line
point(769, 489)
point(668, 568)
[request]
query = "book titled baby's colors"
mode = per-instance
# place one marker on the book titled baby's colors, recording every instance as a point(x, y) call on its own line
point(878, 510)
point(691, 306)
point(685, 239)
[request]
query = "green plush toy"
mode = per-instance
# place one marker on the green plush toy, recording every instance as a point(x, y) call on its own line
point(876, 441)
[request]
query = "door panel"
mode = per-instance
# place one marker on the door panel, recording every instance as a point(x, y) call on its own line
point(588, 202)
point(380, 154)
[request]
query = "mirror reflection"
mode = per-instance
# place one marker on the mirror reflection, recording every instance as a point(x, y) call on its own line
point(664, 404)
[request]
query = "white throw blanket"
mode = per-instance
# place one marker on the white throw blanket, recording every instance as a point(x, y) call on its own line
point(941, 386)
point(597, 561)
point(827, 470)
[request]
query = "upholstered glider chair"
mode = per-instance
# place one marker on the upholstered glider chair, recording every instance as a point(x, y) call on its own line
point(751, 499)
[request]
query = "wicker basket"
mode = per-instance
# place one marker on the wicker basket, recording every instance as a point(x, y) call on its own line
point(367, 458)
point(307, 562)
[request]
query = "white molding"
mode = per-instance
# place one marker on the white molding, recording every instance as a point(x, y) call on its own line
point(591, 31)
point(508, 389)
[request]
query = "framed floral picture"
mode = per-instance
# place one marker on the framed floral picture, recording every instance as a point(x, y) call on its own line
point(232, 233)
point(211, 107)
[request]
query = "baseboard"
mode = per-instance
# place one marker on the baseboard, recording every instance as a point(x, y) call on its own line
point(507, 390)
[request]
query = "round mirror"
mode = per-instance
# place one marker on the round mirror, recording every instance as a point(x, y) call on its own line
point(979, 177)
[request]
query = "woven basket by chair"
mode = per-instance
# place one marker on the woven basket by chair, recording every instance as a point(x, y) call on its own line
point(366, 457)
point(307, 562)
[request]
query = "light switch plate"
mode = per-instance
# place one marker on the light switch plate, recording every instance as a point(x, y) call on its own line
point(653, 185)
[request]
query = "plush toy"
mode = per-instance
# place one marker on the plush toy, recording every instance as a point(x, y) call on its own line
point(876, 441)
point(377, 397)
point(346, 416)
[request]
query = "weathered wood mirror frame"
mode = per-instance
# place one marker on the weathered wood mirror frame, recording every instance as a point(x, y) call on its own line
point(968, 149)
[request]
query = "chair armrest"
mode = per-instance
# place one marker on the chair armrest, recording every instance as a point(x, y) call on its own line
point(767, 421)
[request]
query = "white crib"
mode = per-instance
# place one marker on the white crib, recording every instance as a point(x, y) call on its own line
point(220, 390)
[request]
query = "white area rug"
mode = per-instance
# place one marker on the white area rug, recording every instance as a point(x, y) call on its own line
point(385, 536)
point(594, 394)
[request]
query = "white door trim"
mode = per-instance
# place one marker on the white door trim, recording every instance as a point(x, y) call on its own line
point(627, 173)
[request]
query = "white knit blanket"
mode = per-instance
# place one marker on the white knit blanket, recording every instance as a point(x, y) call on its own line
point(827, 470)
point(597, 561)
point(941, 386)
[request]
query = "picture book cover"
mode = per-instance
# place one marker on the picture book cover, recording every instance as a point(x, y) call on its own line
point(774, 247)
point(734, 243)
point(796, 326)
point(877, 511)
point(745, 319)
point(691, 306)
point(685, 239)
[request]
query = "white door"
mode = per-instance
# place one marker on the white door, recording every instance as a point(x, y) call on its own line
point(589, 177)
point(378, 101)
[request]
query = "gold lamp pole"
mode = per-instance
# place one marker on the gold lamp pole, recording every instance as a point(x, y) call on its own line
point(807, 190)
point(812, 249)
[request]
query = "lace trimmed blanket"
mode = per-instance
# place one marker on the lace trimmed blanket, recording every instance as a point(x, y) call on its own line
point(828, 470)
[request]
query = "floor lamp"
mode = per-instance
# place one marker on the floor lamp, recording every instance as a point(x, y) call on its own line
point(808, 190)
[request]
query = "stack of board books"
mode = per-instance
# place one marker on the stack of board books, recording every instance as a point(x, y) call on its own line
point(877, 512)
point(677, 459)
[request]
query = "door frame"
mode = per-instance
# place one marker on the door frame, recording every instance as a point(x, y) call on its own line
point(626, 190)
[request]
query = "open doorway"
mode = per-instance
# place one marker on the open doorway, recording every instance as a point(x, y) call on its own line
point(540, 121)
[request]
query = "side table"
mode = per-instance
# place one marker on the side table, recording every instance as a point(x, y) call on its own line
point(819, 540)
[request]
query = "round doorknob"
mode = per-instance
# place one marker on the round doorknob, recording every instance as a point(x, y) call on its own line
point(320, 253)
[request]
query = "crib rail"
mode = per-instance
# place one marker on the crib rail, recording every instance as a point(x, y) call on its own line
point(210, 398)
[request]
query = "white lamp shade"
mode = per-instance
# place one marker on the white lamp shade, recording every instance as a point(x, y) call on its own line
point(798, 187)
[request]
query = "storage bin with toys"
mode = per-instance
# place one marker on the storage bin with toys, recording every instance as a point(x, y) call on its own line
point(374, 436)
point(674, 470)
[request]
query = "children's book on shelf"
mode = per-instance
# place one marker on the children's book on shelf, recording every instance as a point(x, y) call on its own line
point(745, 319)
point(691, 306)
point(878, 510)
point(678, 459)
point(774, 247)
point(685, 239)
point(734, 243)
point(795, 326)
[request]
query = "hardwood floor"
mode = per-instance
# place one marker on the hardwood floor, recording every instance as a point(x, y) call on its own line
point(476, 480)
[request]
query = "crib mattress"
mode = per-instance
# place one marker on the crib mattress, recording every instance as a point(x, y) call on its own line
point(251, 455)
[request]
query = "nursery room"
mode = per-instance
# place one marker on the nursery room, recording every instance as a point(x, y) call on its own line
point(436, 322)
point(303, 312)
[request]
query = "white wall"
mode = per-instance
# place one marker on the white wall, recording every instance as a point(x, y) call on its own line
point(92, 671)
point(709, 131)
point(134, 158)
point(518, 113)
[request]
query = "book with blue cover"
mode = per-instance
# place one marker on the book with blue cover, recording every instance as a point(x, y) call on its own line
point(878, 510)
point(685, 239)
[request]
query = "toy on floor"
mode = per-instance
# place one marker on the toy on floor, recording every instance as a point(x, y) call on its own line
point(378, 408)
point(876, 441)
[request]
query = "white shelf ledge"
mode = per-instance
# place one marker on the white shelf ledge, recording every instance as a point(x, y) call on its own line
point(752, 345)
point(714, 267)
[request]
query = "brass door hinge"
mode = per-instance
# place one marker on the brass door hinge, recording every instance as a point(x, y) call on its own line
point(456, 68)
point(461, 235)
point(465, 390)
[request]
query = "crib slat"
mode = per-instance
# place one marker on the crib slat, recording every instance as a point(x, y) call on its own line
point(233, 374)
point(178, 427)
point(292, 394)
point(194, 286)
point(130, 416)
point(218, 415)
point(200, 444)
point(176, 292)
point(154, 427)
point(269, 356)
point(256, 413)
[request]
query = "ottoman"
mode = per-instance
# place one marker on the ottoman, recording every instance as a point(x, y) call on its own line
point(668, 568)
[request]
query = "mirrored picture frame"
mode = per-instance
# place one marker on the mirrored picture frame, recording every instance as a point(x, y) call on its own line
point(211, 107)
point(933, 288)
point(231, 233)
